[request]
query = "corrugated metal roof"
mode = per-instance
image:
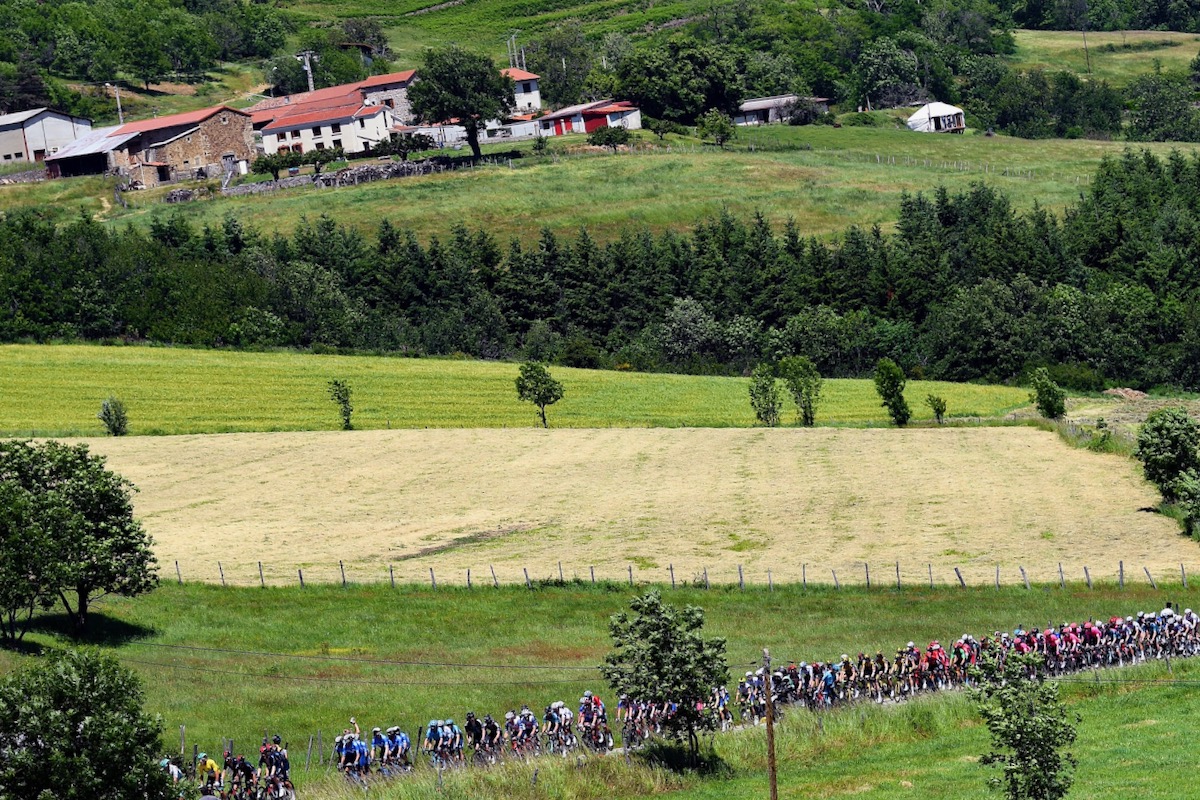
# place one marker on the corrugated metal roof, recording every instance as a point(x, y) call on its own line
point(18, 117)
point(100, 140)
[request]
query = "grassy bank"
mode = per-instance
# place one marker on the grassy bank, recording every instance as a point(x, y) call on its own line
point(295, 661)
point(57, 390)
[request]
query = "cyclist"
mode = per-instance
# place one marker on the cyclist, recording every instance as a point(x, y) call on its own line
point(551, 726)
point(565, 719)
point(207, 771)
point(175, 772)
point(473, 729)
point(491, 737)
point(454, 740)
point(378, 745)
point(433, 738)
point(243, 775)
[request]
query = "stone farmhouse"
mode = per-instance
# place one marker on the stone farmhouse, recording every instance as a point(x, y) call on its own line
point(33, 135)
point(197, 144)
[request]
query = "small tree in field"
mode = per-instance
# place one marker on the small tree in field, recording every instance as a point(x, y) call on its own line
point(112, 414)
point(405, 144)
point(535, 385)
point(764, 395)
point(1029, 725)
point(717, 126)
point(93, 703)
point(1168, 445)
point(610, 137)
point(938, 406)
point(660, 654)
point(98, 547)
point(889, 384)
point(804, 383)
point(1049, 397)
point(319, 158)
point(339, 392)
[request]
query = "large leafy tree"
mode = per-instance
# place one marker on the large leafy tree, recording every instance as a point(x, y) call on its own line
point(28, 566)
point(98, 546)
point(72, 728)
point(681, 80)
point(889, 385)
point(457, 84)
point(1030, 728)
point(1168, 445)
point(660, 654)
point(536, 385)
point(804, 382)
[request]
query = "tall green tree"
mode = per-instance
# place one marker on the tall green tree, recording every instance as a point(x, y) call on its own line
point(716, 126)
point(29, 565)
point(1168, 445)
point(889, 385)
point(562, 58)
point(660, 654)
point(681, 80)
point(72, 727)
point(1029, 725)
point(1048, 396)
point(804, 382)
point(100, 548)
point(536, 385)
point(458, 84)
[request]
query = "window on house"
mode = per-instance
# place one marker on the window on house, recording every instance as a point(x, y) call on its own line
point(526, 87)
point(224, 119)
point(18, 156)
point(336, 128)
point(362, 123)
point(337, 143)
point(316, 131)
point(320, 145)
point(7, 157)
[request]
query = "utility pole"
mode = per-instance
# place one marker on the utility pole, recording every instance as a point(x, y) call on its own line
point(117, 89)
point(772, 776)
point(306, 58)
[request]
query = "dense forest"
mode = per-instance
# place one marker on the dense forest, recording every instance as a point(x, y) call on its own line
point(966, 288)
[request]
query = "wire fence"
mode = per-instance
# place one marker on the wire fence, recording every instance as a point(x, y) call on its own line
point(893, 575)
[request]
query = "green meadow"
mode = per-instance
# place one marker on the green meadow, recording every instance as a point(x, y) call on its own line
point(231, 663)
point(56, 390)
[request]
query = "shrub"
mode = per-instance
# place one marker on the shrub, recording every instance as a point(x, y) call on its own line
point(938, 406)
point(764, 395)
point(535, 385)
point(889, 384)
point(804, 383)
point(610, 137)
point(339, 392)
point(1048, 396)
point(112, 414)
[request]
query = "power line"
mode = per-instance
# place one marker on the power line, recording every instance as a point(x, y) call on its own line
point(312, 679)
point(390, 662)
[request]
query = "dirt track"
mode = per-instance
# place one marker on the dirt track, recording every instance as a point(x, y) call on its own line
point(825, 498)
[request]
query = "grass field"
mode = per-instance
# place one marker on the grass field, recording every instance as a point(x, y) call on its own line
point(57, 390)
point(238, 695)
point(1117, 56)
point(850, 176)
point(796, 502)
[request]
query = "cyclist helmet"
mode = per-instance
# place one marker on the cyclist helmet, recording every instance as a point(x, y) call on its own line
point(433, 723)
point(488, 719)
point(277, 740)
point(587, 693)
point(338, 739)
point(509, 715)
point(164, 763)
point(376, 730)
point(470, 715)
point(202, 756)
point(911, 644)
point(228, 754)
point(449, 723)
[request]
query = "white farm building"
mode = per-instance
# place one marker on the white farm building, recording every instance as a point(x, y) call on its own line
point(938, 118)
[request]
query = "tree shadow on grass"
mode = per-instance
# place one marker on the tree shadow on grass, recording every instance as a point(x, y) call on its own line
point(101, 629)
point(23, 647)
point(676, 757)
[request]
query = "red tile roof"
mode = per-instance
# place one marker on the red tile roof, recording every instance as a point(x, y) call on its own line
point(173, 120)
point(384, 80)
point(519, 74)
point(340, 113)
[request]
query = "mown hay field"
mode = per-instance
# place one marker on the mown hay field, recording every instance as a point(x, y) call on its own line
point(57, 390)
point(800, 503)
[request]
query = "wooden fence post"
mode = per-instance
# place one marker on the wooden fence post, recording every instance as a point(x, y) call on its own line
point(836, 585)
point(1062, 579)
point(631, 574)
point(320, 749)
point(770, 581)
point(593, 569)
point(221, 570)
point(1121, 573)
point(804, 575)
point(528, 585)
point(741, 579)
point(308, 755)
point(930, 574)
point(706, 586)
point(182, 739)
point(262, 582)
point(1025, 578)
point(300, 572)
point(897, 575)
point(997, 576)
point(495, 580)
point(560, 573)
point(867, 567)
point(178, 574)
point(1087, 576)
point(671, 567)
point(432, 578)
point(1183, 574)
point(961, 582)
point(469, 578)
point(1153, 585)
point(392, 575)
point(342, 567)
